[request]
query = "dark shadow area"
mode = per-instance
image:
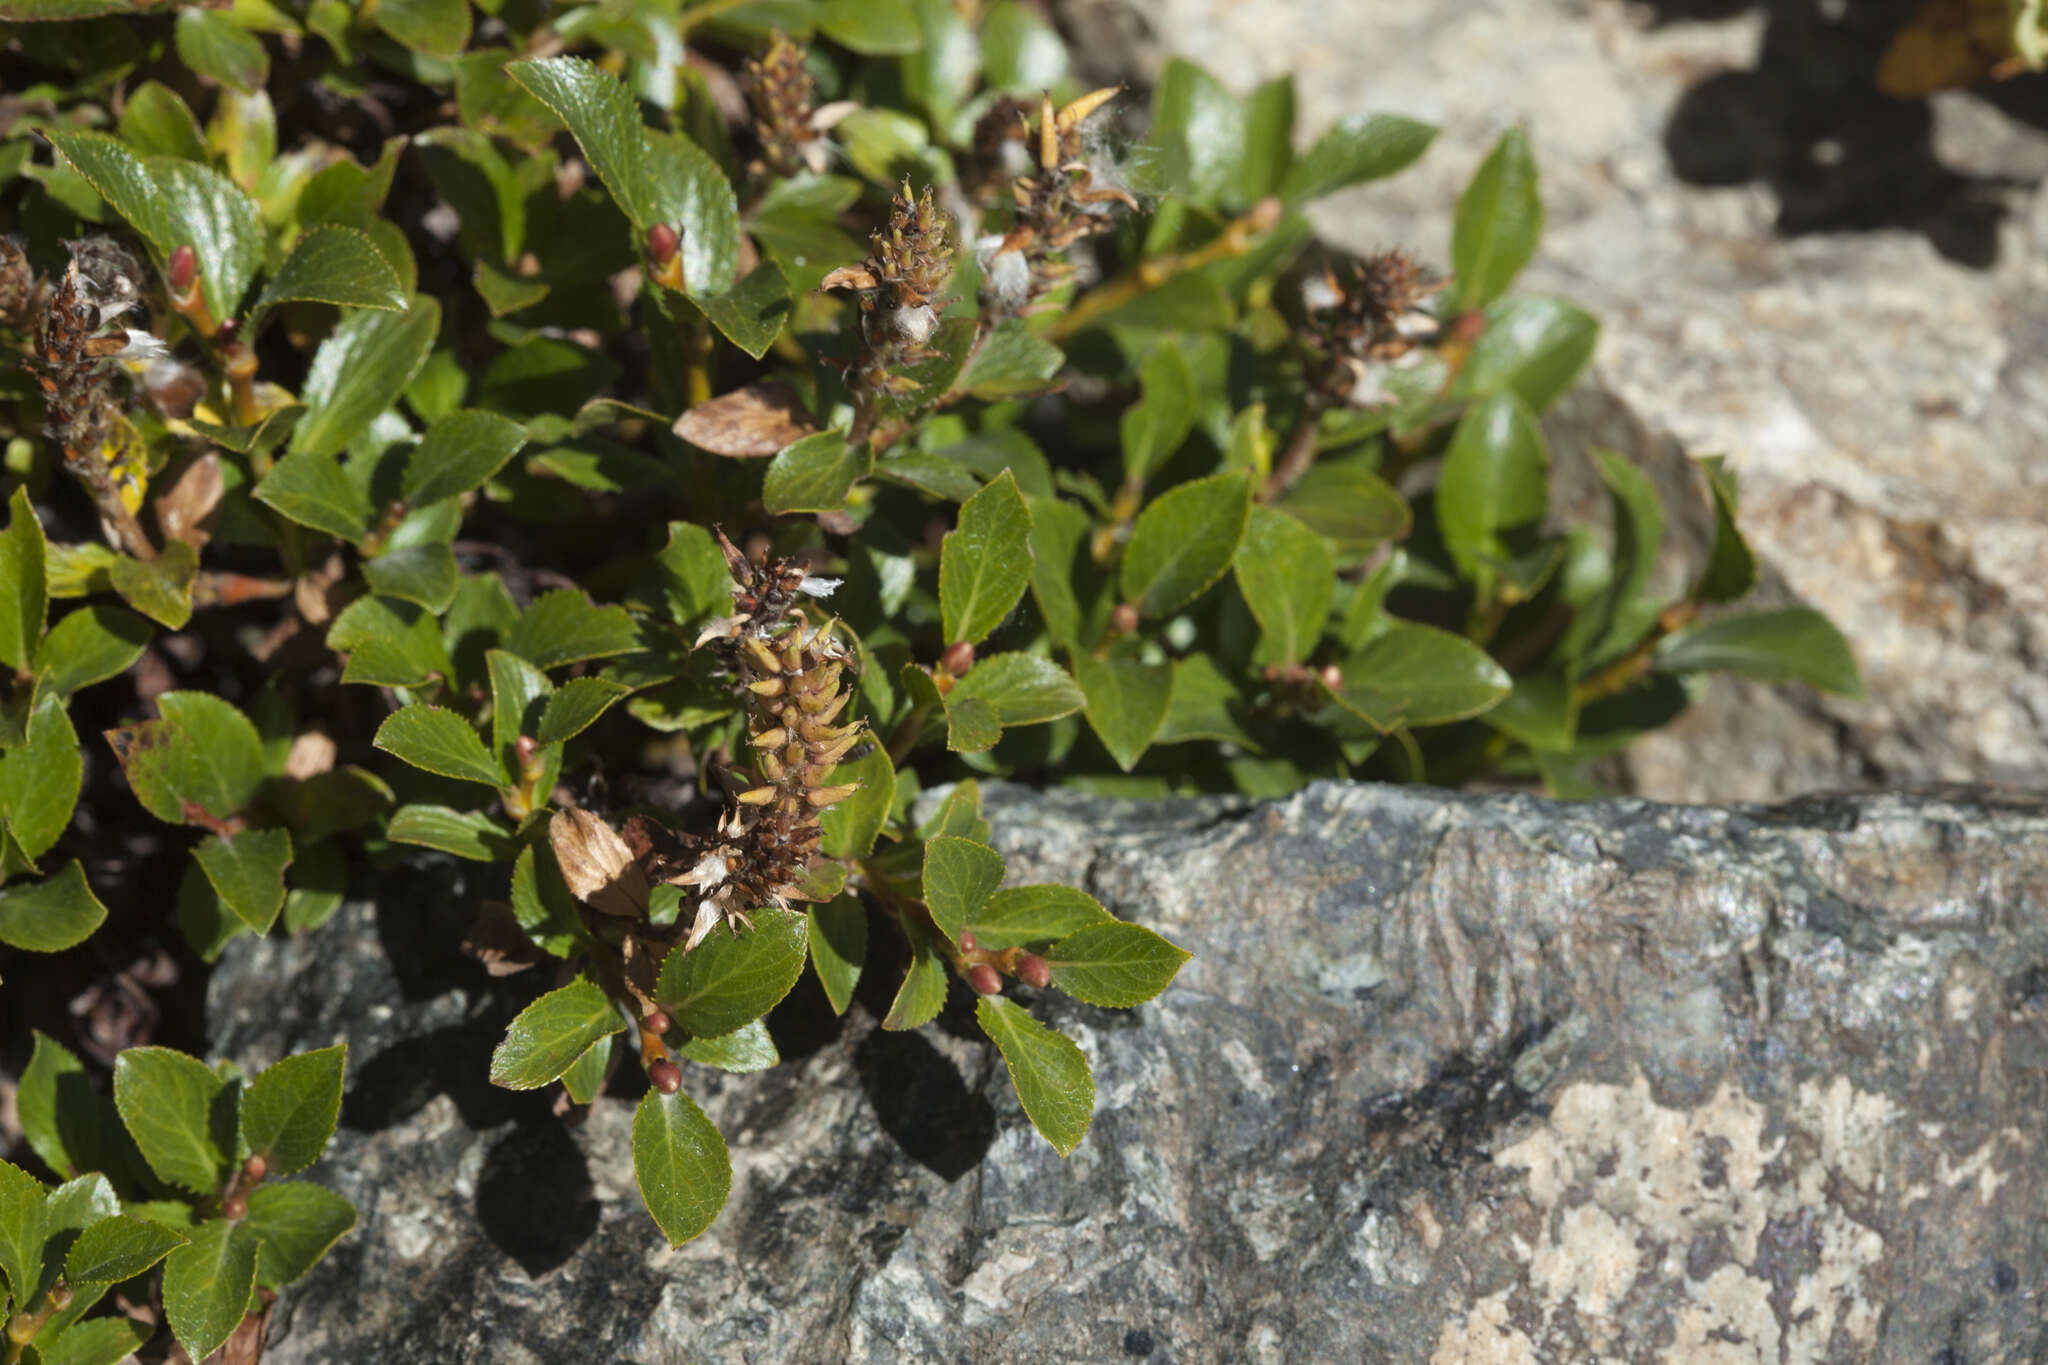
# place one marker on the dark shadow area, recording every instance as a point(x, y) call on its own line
point(804, 1022)
point(1810, 122)
point(397, 1083)
point(923, 1102)
point(424, 908)
point(534, 1197)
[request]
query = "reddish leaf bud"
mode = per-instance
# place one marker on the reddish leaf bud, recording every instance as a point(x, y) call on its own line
point(255, 1168)
point(1124, 619)
point(1468, 326)
point(1034, 971)
point(983, 978)
point(662, 243)
point(526, 746)
point(665, 1076)
point(184, 270)
point(957, 659)
point(656, 1022)
point(1332, 676)
point(966, 940)
point(235, 1209)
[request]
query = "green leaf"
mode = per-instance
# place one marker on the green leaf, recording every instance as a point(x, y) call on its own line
point(1014, 360)
point(460, 452)
point(681, 1165)
point(1021, 53)
point(1058, 530)
point(60, 1113)
point(470, 834)
point(95, 1341)
point(972, 726)
point(751, 315)
point(23, 1225)
point(747, 1049)
point(51, 915)
point(1531, 346)
point(1542, 711)
point(432, 28)
point(1154, 427)
point(1611, 626)
point(814, 475)
point(542, 904)
point(215, 46)
point(1019, 916)
point(96, 642)
point(600, 114)
point(873, 28)
point(156, 121)
point(1495, 480)
point(1352, 506)
point(40, 779)
point(517, 693)
point(1288, 576)
point(334, 264)
point(1025, 689)
point(207, 1283)
point(1356, 149)
point(851, 827)
point(923, 992)
point(586, 1074)
point(289, 1110)
point(294, 1225)
point(839, 947)
point(247, 871)
point(959, 877)
point(572, 709)
point(1796, 644)
point(1184, 541)
point(440, 742)
point(694, 577)
point(389, 643)
point(985, 562)
point(166, 1101)
point(1050, 1074)
point(1205, 705)
point(361, 369)
point(565, 627)
point(1199, 127)
point(1410, 676)
point(312, 490)
point(551, 1033)
point(24, 588)
point(424, 575)
point(1118, 965)
point(1127, 703)
point(202, 760)
point(1500, 216)
point(1730, 570)
point(688, 190)
point(730, 980)
point(115, 1249)
point(159, 588)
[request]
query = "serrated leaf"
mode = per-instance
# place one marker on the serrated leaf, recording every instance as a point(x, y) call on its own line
point(985, 562)
point(156, 121)
point(752, 313)
point(814, 475)
point(730, 980)
point(390, 643)
point(433, 28)
point(1205, 705)
point(1500, 217)
point(470, 834)
point(1051, 1075)
point(313, 491)
point(1118, 965)
point(23, 1223)
point(24, 587)
point(923, 992)
point(746, 1049)
point(542, 903)
point(1796, 644)
point(96, 642)
point(95, 1341)
point(247, 872)
point(1730, 570)
point(438, 741)
point(294, 1225)
point(839, 947)
point(1154, 427)
point(460, 452)
point(1014, 360)
point(334, 264)
point(1019, 916)
point(680, 1163)
point(1495, 480)
point(159, 588)
point(1024, 689)
point(1352, 506)
point(851, 827)
point(424, 575)
point(586, 1074)
point(565, 627)
point(1357, 148)
point(207, 1283)
point(1199, 126)
point(51, 915)
point(118, 1248)
point(1127, 703)
point(203, 759)
point(1531, 346)
point(166, 1101)
point(1288, 576)
point(573, 708)
point(972, 726)
point(289, 1110)
point(551, 1033)
point(1184, 541)
point(361, 369)
point(1058, 530)
point(1410, 676)
point(215, 46)
point(60, 1114)
point(517, 690)
point(40, 778)
point(959, 877)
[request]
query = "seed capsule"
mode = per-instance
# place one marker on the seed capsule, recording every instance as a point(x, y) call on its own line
point(255, 1168)
point(1034, 971)
point(665, 1076)
point(657, 1022)
point(235, 1209)
point(984, 980)
point(967, 940)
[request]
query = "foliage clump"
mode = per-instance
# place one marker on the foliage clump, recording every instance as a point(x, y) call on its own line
point(638, 450)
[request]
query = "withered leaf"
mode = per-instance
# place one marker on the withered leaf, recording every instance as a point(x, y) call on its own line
point(851, 277)
point(750, 423)
point(597, 865)
point(496, 940)
point(188, 509)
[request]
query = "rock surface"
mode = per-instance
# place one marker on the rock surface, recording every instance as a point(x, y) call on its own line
point(1846, 294)
point(1455, 1079)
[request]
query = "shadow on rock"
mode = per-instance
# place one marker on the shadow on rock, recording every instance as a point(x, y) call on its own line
point(534, 1197)
point(922, 1101)
point(1840, 155)
point(398, 1082)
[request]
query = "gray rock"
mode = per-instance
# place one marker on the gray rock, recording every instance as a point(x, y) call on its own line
point(1843, 293)
point(1450, 1078)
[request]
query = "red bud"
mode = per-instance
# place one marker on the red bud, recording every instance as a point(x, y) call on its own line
point(255, 1168)
point(235, 1209)
point(665, 1076)
point(526, 746)
point(1124, 619)
point(1034, 971)
point(1468, 326)
point(966, 940)
point(957, 659)
point(656, 1022)
point(662, 243)
point(983, 978)
point(1332, 676)
point(184, 269)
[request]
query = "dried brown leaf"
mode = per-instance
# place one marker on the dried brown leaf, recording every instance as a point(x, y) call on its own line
point(597, 865)
point(188, 509)
point(750, 423)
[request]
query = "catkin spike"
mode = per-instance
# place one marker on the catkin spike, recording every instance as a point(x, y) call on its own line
point(759, 796)
point(821, 797)
point(770, 739)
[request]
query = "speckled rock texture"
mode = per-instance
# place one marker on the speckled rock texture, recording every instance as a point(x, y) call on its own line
point(1449, 1079)
point(1846, 294)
